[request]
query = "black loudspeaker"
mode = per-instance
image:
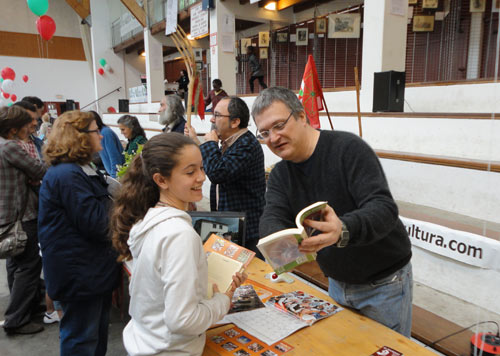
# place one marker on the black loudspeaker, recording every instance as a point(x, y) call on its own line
point(122, 105)
point(389, 91)
point(70, 105)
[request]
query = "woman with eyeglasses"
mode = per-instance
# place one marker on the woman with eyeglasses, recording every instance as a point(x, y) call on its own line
point(79, 264)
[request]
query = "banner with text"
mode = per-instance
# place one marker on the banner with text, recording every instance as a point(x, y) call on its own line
point(459, 245)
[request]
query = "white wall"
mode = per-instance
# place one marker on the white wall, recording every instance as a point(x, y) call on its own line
point(51, 79)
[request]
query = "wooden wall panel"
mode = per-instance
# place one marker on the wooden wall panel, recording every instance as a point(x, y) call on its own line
point(19, 44)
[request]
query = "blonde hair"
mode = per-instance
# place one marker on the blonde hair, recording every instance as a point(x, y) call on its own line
point(67, 142)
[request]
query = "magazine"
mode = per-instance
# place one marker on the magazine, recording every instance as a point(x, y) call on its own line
point(283, 315)
point(280, 249)
point(224, 259)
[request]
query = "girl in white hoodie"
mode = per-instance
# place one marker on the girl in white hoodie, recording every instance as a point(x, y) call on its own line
point(169, 307)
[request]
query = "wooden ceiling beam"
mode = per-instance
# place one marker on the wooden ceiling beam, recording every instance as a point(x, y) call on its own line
point(81, 8)
point(135, 10)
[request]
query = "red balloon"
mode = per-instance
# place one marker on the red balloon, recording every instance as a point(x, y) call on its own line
point(100, 71)
point(25, 78)
point(46, 27)
point(111, 110)
point(8, 73)
point(6, 95)
point(13, 97)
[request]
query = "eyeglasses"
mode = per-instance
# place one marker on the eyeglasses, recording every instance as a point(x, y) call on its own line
point(217, 115)
point(90, 131)
point(264, 134)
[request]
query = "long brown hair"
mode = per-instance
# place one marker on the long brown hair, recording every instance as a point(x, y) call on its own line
point(68, 141)
point(139, 192)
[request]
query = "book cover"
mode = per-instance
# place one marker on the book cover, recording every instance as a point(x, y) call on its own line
point(281, 249)
point(224, 259)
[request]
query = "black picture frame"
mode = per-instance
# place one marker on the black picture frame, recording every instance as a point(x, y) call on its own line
point(234, 221)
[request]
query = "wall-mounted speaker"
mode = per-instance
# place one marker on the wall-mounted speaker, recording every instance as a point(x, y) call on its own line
point(389, 91)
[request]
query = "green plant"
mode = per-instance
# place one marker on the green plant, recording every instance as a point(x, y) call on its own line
point(128, 159)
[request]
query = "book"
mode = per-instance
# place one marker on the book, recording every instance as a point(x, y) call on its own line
point(234, 341)
point(224, 259)
point(281, 249)
point(283, 315)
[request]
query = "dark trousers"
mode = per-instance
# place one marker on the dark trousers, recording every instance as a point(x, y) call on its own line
point(23, 275)
point(83, 329)
point(261, 82)
point(252, 245)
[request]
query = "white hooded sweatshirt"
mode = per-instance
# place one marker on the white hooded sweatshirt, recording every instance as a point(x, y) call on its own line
point(168, 305)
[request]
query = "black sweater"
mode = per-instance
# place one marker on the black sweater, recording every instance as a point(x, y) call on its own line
point(344, 171)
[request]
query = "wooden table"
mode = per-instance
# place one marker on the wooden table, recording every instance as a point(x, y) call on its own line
point(344, 334)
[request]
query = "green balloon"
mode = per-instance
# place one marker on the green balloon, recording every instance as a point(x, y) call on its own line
point(1, 80)
point(102, 61)
point(39, 7)
point(10, 104)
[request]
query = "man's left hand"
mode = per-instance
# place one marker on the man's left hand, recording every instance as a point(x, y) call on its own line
point(212, 136)
point(330, 228)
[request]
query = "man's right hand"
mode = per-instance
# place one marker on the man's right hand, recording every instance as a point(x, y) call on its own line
point(191, 133)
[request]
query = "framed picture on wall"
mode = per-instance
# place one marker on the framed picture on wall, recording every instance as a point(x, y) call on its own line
point(423, 23)
point(430, 4)
point(264, 39)
point(321, 25)
point(412, 2)
point(495, 6)
point(245, 42)
point(198, 54)
point(344, 25)
point(263, 53)
point(478, 5)
point(302, 37)
point(282, 37)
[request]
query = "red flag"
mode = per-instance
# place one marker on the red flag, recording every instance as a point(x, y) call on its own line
point(198, 99)
point(311, 94)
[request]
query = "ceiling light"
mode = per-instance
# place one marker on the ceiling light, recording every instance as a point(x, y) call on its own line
point(143, 54)
point(271, 5)
point(189, 37)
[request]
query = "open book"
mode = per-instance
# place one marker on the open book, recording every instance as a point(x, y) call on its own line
point(225, 258)
point(281, 249)
point(283, 315)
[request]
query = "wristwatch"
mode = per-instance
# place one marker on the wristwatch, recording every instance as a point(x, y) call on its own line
point(344, 237)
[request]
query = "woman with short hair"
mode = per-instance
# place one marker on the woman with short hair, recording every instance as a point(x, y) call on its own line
point(132, 130)
point(78, 262)
point(17, 169)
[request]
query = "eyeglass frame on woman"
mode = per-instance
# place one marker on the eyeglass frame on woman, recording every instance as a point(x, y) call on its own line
point(264, 135)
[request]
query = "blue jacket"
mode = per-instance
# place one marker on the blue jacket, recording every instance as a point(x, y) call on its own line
point(240, 174)
point(112, 151)
point(38, 144)
point(78, 260)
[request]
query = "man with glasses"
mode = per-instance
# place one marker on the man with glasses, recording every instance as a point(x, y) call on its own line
point(236, 168)
point(363, 247)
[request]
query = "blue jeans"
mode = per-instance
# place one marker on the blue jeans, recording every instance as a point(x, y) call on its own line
point(388, 300)
point(84, 327)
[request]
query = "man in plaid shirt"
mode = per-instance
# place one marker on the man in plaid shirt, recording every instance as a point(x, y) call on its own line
point(236, 168)
point(32, 144)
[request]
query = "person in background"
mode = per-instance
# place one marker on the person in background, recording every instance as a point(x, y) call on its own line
point(45, 127)
point(40, 108)
point(17, 169)
point(32, 144)
point(183, 82)
point(79, 263)
point(132, 130)
point(172, 114)
point(362, 245)
point(255, 68)
point(168, 289)
point(236, 168)
point(112, 149)
point(215, 95)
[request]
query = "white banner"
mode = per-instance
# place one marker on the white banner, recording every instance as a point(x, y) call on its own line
point(199, 21)
point(171, 16)
point(475, 250)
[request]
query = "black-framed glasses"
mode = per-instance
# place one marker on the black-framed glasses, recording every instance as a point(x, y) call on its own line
point(217, 115)
point(264, 134)
point(90, 131)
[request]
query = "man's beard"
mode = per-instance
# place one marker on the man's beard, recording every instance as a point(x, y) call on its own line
point(167, 117)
